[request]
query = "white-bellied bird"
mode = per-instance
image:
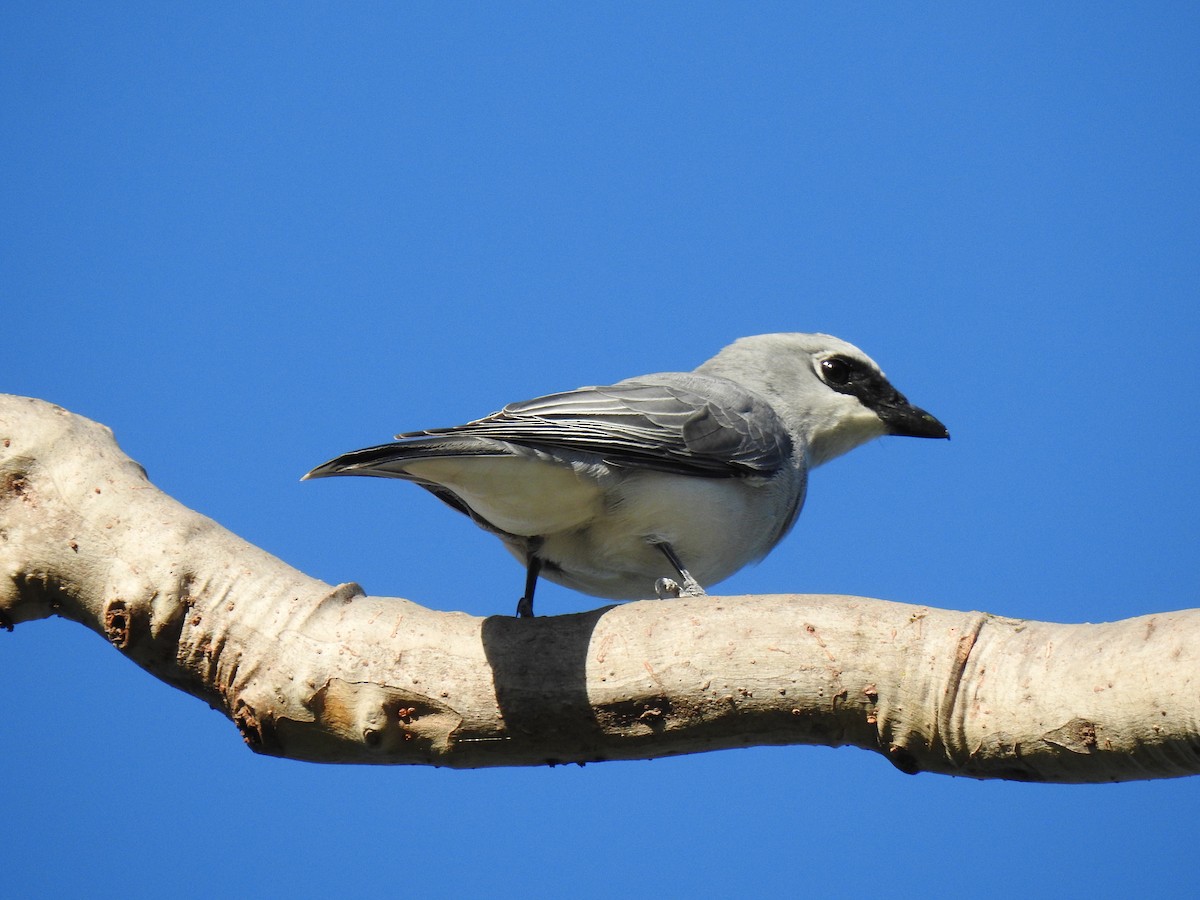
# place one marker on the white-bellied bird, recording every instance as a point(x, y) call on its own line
point(659, 484)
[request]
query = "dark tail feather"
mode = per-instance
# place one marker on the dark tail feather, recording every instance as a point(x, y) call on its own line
point(388, 460)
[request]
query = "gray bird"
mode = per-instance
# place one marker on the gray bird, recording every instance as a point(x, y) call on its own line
point(617, 491)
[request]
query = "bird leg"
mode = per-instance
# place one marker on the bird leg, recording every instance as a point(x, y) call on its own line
point(533, 568)
point(691, 587)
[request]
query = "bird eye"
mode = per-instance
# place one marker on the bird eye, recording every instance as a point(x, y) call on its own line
point(835, 371)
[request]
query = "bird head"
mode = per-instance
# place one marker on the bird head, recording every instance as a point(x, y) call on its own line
point(831, 395)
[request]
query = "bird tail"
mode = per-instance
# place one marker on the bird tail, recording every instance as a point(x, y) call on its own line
point(391, 460)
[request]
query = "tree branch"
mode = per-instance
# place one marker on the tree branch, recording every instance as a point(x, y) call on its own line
point(314, 672)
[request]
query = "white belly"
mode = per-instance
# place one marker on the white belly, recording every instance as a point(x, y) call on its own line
point(715, 526)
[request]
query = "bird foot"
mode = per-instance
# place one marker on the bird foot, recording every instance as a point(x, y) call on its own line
point(667, 587)
point(525, 608)
point(670, 588)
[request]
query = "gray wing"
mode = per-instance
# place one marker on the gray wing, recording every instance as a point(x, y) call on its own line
point(676, 422)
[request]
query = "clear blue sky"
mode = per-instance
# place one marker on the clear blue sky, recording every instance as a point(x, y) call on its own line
point(250, 237)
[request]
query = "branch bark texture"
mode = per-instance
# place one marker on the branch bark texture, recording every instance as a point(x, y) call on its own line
point(310, 671)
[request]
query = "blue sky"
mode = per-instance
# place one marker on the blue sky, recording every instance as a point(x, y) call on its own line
point(250, 237)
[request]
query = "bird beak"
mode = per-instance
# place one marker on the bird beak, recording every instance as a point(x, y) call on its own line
point(903, 419)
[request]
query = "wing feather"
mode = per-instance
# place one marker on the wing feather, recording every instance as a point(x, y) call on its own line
point(679, 422)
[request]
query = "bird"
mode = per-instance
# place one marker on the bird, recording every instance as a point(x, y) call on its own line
point(660, 485)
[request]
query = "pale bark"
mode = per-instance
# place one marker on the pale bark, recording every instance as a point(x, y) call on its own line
point(314, 672)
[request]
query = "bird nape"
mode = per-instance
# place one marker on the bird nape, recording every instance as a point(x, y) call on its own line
point(660, 484)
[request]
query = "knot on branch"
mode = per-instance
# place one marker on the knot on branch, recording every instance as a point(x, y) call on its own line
point(116, 623)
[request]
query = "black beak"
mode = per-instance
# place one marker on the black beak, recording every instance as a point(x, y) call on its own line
point(906, 420)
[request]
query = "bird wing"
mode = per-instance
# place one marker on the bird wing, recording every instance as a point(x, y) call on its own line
point(675, 422)
point(514, 472)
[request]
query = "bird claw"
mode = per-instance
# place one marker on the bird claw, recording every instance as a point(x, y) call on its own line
point(666, 588)
point(525, 608)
